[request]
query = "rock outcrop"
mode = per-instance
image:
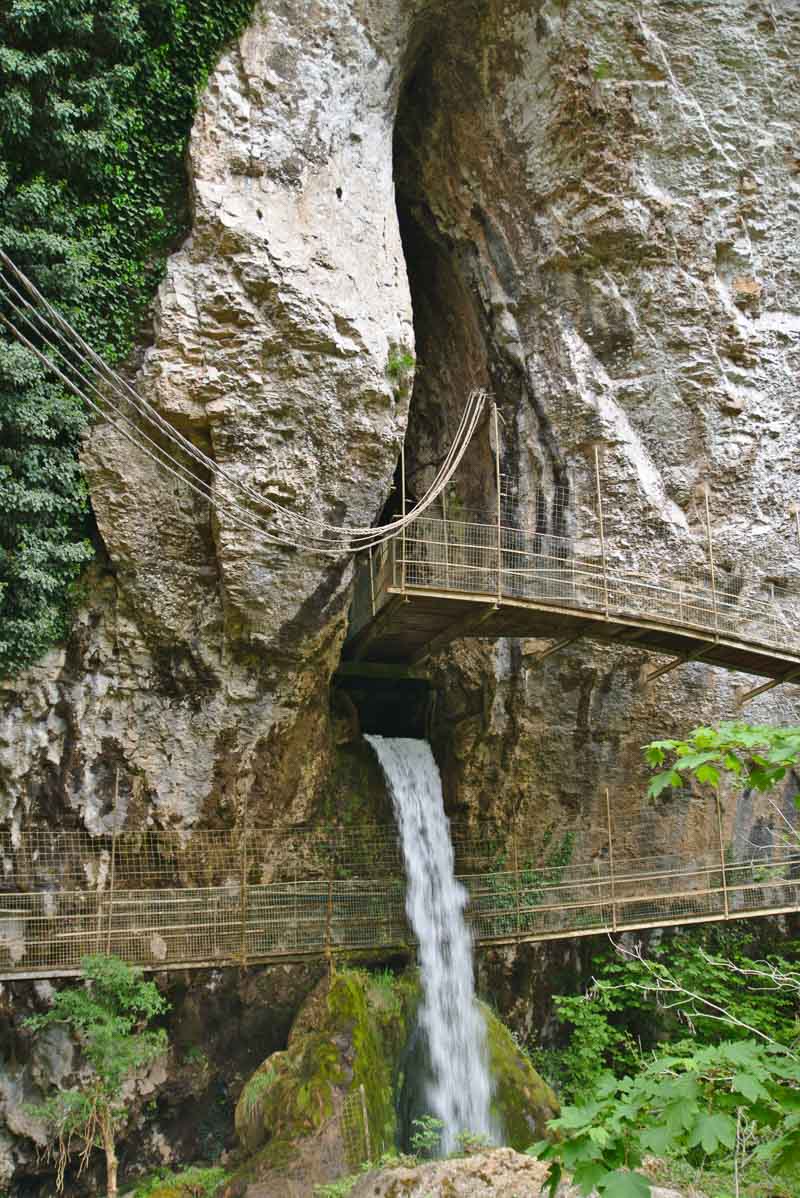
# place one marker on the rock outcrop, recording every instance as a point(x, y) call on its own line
point(301, 1117)
point(501, 1173)
point(589, 208)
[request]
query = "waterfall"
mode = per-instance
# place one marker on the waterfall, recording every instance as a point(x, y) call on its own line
point(460, 1089)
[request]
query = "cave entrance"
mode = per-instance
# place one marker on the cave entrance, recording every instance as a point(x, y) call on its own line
point(388, 701)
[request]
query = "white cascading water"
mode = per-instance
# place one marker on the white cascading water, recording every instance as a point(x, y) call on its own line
point(460, 1091)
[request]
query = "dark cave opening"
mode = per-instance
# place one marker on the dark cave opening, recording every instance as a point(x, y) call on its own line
point(452, 350)
point(390, 704)
point(468, 290)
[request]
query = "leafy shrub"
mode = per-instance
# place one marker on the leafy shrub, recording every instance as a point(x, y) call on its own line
point(426, 1140)
point(108, 1015)
point(197, 1182)
point(96, 102)
point(691, 1105)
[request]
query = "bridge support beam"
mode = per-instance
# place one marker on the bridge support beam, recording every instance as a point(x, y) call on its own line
point(376, 628)
point(678, 661)
point(464, 627)
point(768, 686)
point(554, 648)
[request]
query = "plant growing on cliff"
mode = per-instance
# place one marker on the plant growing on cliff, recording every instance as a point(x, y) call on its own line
point(96, 101)
point(400, 367)
point(108, 1015)
point(756, 756)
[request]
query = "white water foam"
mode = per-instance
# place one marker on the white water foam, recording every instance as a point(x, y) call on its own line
point(461, 1090)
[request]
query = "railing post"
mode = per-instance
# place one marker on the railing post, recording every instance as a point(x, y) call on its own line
point(499, 502)
point(611, 862)
point(371, 581)
point(403, 506)
point(329, 923)
point(711, 566)
point(599, 492)
point(722, 857)
point(446, 542)
point(113, 865)
point(515, 863)
point(243, 865)
point(365, 1117)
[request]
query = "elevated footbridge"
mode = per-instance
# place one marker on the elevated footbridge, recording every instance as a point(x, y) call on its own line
point(443, 579)
point(170, 901)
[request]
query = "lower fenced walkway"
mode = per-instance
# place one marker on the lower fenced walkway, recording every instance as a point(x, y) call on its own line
point(165, 906)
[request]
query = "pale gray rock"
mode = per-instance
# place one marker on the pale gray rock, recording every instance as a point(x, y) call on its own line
point(499, 1173)
point(599, 207)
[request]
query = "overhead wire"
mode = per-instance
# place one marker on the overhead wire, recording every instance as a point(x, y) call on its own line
point(290, 527)
point(316, 528)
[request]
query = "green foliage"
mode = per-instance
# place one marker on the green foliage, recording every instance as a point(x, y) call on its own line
point(197, 1182)
point(343, 1186)
point(689, 1105)
point(595, 1044)
point(255, 1089)
point(426, 1140)
point(756, 756)
point(654, 1009)
point(400, 367)
point(337, 1189)
point(526, 887)
point(96, 102)
point(470, 1142)
point(635, 1006)
point(108, 1016)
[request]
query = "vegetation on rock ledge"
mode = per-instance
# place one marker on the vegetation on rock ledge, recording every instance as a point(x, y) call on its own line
point(96, 103)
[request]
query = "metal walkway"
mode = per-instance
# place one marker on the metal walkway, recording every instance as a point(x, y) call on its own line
point(217, 899)
point(445, 579)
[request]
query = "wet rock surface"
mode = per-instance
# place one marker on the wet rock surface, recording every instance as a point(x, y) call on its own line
point(591, 208)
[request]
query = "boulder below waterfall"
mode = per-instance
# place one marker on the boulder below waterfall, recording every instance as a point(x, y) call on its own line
point(331, 1099)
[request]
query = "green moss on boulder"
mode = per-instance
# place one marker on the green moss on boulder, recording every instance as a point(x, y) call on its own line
point(353, 1031)
point(523, 1101)
point(347, 1034)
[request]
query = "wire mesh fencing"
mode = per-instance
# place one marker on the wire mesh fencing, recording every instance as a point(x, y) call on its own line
point(555, 547)
point(162, 904)
point(357, 1135)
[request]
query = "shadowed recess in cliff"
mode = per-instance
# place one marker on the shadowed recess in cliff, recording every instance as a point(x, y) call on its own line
point(459, 260)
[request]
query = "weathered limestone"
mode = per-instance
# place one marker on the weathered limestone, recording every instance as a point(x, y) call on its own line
point(599, 206)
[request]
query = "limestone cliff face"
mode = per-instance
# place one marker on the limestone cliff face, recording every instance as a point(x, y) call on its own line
point(199, 665)
point(598, 213)
point(593, 209)
point(598, 208)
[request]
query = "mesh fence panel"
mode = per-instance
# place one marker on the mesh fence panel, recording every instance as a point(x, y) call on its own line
point(552, 547)
point(350, 900)
point(355, 1130)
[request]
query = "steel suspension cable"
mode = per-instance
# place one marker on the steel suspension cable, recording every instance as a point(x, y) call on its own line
point(298, 531)
point(318, 534)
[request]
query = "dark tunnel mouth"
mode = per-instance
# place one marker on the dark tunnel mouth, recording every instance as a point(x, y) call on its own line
point(388, 706)
point(452, 321)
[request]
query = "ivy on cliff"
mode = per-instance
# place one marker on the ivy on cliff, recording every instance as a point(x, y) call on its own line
point(96, 102)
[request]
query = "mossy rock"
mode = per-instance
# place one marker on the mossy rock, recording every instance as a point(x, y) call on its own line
point(353, 1031)
point(347, 1035)
point(522, 1101)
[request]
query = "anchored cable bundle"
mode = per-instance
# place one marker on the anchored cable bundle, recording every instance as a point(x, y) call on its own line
point(46, 333)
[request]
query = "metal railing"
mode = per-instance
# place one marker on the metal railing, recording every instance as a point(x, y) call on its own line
point(451, 557)
point(226, 898)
